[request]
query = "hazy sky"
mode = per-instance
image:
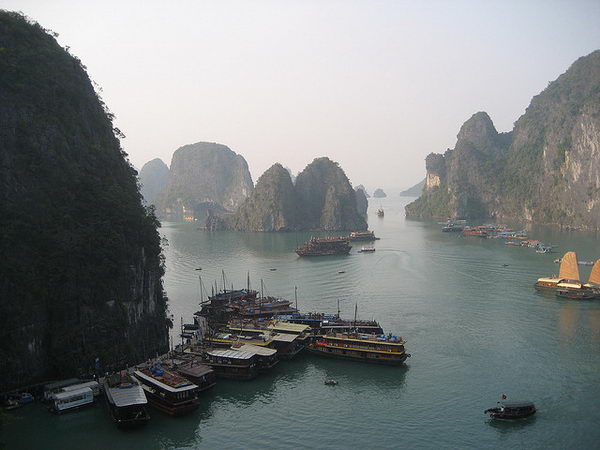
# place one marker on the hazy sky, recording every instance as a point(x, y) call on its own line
point(375, 85)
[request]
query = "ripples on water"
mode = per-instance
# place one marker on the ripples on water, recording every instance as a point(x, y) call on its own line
point(475, 328)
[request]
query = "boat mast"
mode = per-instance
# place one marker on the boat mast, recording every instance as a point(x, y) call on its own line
point(355, 312)
point(338, 314)
point(296, 296)
point(248, 282)
point(201, 293)
point(224, 287)
point(261, 288)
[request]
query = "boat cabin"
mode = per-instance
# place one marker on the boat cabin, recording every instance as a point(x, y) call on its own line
point(73, 399)
point(93, 385)
point(233, 364)
point(57, 386)
point(511, 410)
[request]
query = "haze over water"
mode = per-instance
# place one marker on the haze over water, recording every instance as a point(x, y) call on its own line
point(475, 330)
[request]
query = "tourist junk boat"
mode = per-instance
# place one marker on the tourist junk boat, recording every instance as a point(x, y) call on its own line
point(126, 400)
point(232, 364)
point(380, 212)
point(511, 410)
point(361, 347)
point(287, 338)
point(568, 276)
point(362, 236)
point(452, 227)
point(321, 323)
point(325, 247)
point(167, 391)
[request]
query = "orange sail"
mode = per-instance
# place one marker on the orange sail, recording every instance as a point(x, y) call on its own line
point(568, 267)
point(595, 275)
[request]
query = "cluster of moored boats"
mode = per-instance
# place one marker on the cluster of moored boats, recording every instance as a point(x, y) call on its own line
point(491, 231)
point(567, 284)
point(237, 335)
point(338, 245)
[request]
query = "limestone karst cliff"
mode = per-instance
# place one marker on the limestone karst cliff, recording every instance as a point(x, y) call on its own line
point(272, 206)
point(546, 170)
point(362, 188)
point(321, 199)
point(81, 267)
point(205, 177)
point(326, 198)
point(153, 180)
point(362, 203)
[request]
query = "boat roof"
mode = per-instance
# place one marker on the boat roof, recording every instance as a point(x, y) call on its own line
point(285, 337)
point(75, 387)
point(260, 351)
point(521, 404)
point(132, 394)
point(233, 354)
point(195, 370)
point(69, 394)
point(569, 284)
point(550, 279)
point(181, 388)
point(367, 338)
point(287, 326)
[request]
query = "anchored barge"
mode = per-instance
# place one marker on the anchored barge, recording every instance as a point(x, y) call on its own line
point(200, 374)
point(168, 391)
point(361, 347)
point(126, 400)
point(325, 247)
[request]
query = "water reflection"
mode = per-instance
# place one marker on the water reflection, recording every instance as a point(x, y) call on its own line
point(504, 427)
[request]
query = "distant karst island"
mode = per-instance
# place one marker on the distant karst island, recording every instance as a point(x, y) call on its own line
point(210, 183)
point(379, 193)
point(546, 170)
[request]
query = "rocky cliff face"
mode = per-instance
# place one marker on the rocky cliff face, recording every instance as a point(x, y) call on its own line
point(547, 170)
point(80, 272)
point(205, 177)
point(272, 206)
point(321, 199)
point(362, 188)
point(153, 180)
point(362, 203)
point(327, 200)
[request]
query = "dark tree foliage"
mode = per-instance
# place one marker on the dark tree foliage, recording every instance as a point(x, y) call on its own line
point(80, 257)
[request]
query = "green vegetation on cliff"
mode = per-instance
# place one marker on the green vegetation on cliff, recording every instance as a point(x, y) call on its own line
point(81, 267)
point(547, 170)
point(205, 177)
point(272, 206)
point(321, 199)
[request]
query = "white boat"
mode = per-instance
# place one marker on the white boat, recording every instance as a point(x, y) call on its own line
point(367, 250)
point(93, 385)
point(70, 400)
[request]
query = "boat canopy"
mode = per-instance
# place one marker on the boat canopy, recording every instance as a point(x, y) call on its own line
point(260, 351)
point(285, 337)
point(61, 384)
point(289, 327)
point(133, 394)
point(234, 354)
point(568, 267)
point(69, 394)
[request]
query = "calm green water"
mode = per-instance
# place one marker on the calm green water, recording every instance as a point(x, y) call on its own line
point(475, 329)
